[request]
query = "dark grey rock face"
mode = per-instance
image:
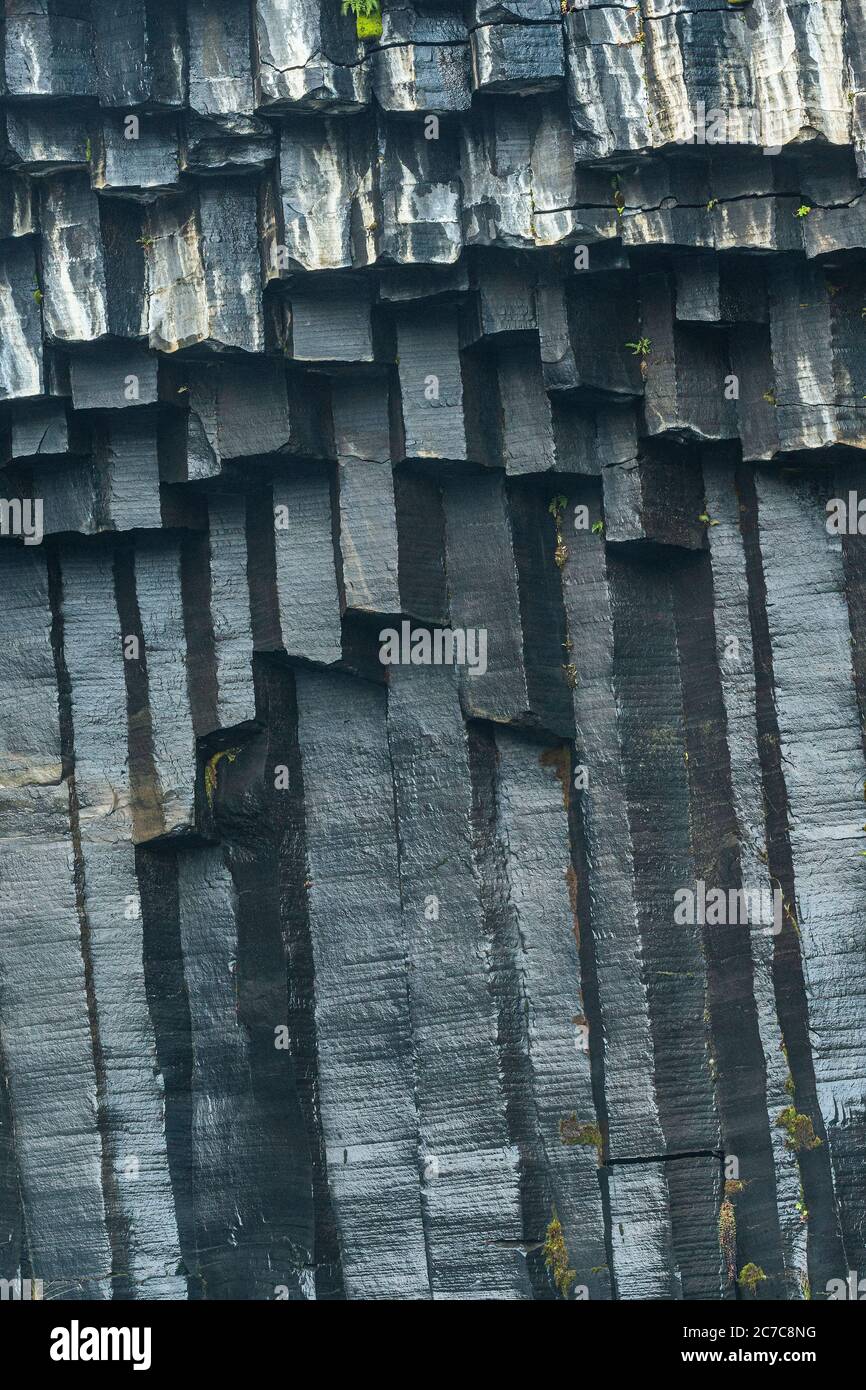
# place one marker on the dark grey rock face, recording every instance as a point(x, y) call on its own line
point(432, 688)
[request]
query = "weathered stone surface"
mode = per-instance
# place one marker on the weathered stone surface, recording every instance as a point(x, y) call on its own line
point(39, 138)
point(43, 430)
point(139, 52)
point(368, 1102)
point(227, 145)
point(574, 360)
point(143, 1214)
point(412, 77)
point(531, 340)
point(165, 769)
point(21, 321)
point(253, 1235)
point(484, 596)
point(307, 56)
point(16, 206)
point(823, 765)
point(240, 411)
point(611, 887)
point(41, 961)
point(655, 497)
point(296, 603)
point(331, 323)
point(470, 1191)
point(229, 605)
point(75, 304)
point(203, 270)
point(142, 168)
point(368, 535)
point(538, 937)
point(419, 197)
point(112, 380)
point(517, 58)
point(737, 679)
point(367, 509)
point(49, 49)
point(220, 80)
point(322, 212)
point(685, 371)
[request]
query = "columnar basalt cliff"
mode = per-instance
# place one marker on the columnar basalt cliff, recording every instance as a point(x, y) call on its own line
point(432, 682)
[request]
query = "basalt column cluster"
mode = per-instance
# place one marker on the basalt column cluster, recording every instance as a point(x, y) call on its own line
point(325, 978)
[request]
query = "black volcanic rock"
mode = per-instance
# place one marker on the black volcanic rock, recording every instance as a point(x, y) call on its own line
point(416, 588)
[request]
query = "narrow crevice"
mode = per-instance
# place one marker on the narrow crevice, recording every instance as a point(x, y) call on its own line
point(423, 1200)
point(826, 1256)
point(14, 1246)
point(117, 1226)
point(520, 1111)
point(664, 1158)
point(168, 1003)
point(591, 995)
point(262, 571)
point(649, 701)
point(539, 589)
point(276, 1235)
point(195, 583)
point(740, 1068)
point(146, 801)
point(849, 1174)
point(295, 925)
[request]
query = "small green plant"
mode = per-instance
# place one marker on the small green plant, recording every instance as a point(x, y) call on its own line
point(707, 519)
point(799, 1129)
point(88, 150)
point(639, 36)
point(803, 210)
point(728, 1238)
point(211, 770)
point(572, 1132)
point(750, 1277)
point(640, 348)
point(769, 397)
point(146, 241)
point(598, 530)
point(38, 295)
point(714, 202)
point(368, 17)
point(556, 509)
point(734, 1186)
point(556, 1257)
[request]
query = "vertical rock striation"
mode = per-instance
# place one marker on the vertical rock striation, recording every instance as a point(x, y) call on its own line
point(432, 653)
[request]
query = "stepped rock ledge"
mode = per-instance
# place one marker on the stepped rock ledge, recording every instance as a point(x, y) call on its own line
point(433, 649)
